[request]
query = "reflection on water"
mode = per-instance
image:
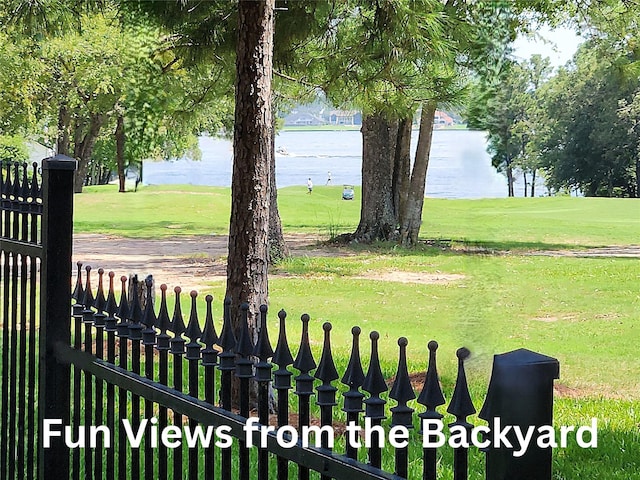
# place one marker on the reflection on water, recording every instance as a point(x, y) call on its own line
point(459, 166)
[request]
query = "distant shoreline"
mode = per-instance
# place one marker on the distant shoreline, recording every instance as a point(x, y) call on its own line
point(341, 128)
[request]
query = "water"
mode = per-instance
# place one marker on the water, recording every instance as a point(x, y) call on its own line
point(459, 167)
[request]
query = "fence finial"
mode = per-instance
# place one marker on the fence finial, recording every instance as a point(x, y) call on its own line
point(304, 360)
point(164, 322)
point(244, 347)
point(177, 322)
point(78, 291)
point(402, 391)
point(36, 191)
point(354, 376)
point(461, 405)
point(326, 371)
point(135, 328)
point(263, 349)
point(227, 338)
point(282, 356)
point(111, 307)
point(87, 301)
point(209, 336)
point(374, 382)
point(100, 302)
point(123, 308)
point(193, 331)
point(431, 395)
point(149, 317)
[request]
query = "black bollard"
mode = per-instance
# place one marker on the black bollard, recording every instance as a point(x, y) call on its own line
point(520, 394)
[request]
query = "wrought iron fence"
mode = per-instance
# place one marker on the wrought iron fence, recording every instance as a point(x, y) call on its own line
point(127, 378)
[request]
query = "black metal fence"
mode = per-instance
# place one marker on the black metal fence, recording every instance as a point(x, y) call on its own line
point(150, 393)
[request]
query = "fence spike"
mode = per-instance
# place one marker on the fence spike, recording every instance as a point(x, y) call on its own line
point(193, 331)
point(263, 349)
point(282, 356)
point(402, 414)
point(227, 338)
point(209, 336)
point(402, 391)
point(111, 307)
point(135, 327)
point(177, 326)
point(123, 308)
point(78, 291)
point(35, 188)
point(136, 309)
point(374, 382)
point(100, 302)
point(326, 371)
point(177, 322)
point(87, 301)
point(431, 395)
point(353, 376)
point(149, 317)
point(304, 360)
point(164, 322)
point(244, 346)
point(461, 405)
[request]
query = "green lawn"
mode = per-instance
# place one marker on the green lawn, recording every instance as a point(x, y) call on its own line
point(583, 311)
point(170, 210)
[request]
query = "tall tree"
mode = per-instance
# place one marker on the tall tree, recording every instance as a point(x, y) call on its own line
point(252, 148)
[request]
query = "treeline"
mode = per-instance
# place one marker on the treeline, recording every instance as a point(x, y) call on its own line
point(579, 126)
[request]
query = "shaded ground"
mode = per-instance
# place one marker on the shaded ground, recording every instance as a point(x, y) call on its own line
point(184, 261)
point(189, 261)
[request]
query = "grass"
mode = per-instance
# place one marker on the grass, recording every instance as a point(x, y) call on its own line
point(583, 311)
point(516, 223)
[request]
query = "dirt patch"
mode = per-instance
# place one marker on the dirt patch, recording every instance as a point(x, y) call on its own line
point(188, 261)
point(412, 277)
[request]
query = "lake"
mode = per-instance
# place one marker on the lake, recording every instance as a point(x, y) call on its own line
point(460, 166)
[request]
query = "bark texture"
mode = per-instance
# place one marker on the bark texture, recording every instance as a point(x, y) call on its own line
point(85, 136)
point(252, 146)
point(378, 220)
point(120, 139)
point(402, 168)
point(412, 212)
point(277, 246)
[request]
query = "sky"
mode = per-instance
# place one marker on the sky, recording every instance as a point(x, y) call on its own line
point(562, 44)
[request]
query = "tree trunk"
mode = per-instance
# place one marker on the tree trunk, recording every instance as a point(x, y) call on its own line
point(402, 168)
point(377, 218)
point(524, 177)
point(510, 179)
point(252, 150)
point(83, 149)
point(412, 217)
point(533, 183)
point(277, 246)
point(120, 139)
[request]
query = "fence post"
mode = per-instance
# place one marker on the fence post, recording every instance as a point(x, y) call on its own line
point(55, 307)
point(520, 394)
